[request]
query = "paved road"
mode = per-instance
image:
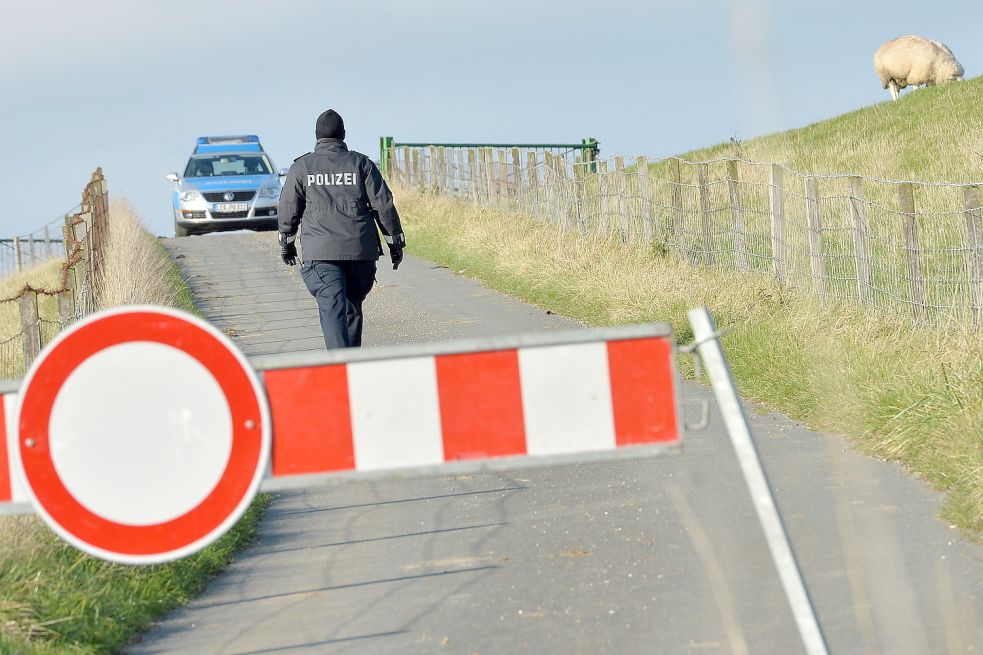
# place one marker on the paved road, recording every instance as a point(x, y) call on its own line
point(648, 556)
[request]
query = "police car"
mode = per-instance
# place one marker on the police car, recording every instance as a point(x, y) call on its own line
point(229, 183)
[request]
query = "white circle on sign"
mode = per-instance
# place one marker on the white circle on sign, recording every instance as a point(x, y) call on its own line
point(120, 447)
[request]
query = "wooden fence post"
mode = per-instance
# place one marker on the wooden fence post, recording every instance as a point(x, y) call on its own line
point(17, 256)
point(549, 183)
point(645, 198)
point(489, 173)
point(460, 157)
point(916, 279)
point(603, 207)
point(532, 172)
point(417, 182)
point(567, 213)
point(477, 174)
point(779, 247)
point(815, 220)
point(30, 325)
point(858, 211)
point(431, 169)
point(974, 251)
point(676, 216)
point(440, 174)
point(621, 188)
point(472, 187)
point(516, 172)
point(736, 215)
point(66, 303)
point(706, 214)
point(578, 195)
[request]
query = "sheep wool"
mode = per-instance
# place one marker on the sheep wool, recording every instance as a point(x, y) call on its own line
point(914, 61)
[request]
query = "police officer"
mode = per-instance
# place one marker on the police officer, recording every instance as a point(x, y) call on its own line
point(336, 196)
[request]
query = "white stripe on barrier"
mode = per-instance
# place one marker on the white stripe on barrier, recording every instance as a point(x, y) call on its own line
point(18, 488)
point(387, 394)
point(566, 399)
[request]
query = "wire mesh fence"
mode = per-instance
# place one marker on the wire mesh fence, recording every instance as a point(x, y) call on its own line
point(32, 316)
point(911, 248)
point(26, 251)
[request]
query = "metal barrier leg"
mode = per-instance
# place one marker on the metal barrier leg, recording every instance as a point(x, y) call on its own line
point(707, 341)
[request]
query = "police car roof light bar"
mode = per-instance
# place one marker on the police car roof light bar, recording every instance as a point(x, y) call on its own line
point(234, 138)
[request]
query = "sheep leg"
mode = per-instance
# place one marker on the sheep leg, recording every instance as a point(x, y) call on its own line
point(894, 89)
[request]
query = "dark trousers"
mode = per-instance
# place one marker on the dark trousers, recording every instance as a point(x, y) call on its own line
point(339, 288)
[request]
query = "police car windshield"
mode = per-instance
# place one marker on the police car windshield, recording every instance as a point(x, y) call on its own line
point(215, 165)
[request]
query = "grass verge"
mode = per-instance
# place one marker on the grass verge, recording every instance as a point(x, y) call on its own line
point(914, 395)
point(56, 599)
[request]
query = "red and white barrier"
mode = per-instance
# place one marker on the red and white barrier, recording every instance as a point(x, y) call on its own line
point(13, 496)
point(141, 434)
point(422, 410)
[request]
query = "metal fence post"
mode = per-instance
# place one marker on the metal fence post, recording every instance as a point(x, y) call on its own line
point(916, 280)
point(384, 155)
point(590, 153)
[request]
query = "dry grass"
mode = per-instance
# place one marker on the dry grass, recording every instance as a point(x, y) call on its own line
point(906, 393)
point(43, 276)
point(135, 270)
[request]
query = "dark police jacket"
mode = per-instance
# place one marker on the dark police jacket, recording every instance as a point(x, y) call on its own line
point(336, 196)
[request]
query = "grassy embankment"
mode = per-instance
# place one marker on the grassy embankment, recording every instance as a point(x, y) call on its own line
point(53, 598)
point(898, 391)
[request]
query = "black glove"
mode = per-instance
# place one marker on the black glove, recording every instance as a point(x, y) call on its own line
point(288, 251)
point(397, 256)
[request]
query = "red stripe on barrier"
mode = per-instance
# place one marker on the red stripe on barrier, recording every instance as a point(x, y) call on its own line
point(312, 425)
point(6, 495)
point(642, 391)
point(481, 405)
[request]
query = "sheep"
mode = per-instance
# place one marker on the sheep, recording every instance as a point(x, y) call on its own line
point(915, 60)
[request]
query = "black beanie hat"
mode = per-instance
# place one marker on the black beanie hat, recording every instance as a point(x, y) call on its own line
point(329, 126)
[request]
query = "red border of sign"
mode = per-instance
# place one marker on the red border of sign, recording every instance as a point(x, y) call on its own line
point(246, 460)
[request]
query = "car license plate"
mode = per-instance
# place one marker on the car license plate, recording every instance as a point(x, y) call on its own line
point(221, 207)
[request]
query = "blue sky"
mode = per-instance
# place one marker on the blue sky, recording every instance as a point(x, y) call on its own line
point(129, 85)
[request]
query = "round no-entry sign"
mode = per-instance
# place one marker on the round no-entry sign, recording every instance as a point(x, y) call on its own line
point(143, 434)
